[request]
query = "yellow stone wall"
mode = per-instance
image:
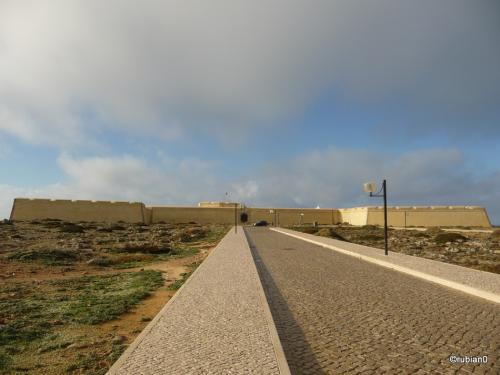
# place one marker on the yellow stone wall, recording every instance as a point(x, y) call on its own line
point(77, 210)
point(292, 216)
point(462, 216)
point(201, 215)
point(81, 210)
point(353, 216)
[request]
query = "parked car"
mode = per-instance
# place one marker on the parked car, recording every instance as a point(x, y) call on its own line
point(260, 223)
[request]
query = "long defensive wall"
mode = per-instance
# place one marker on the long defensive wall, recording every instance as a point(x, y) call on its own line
point(25, 209)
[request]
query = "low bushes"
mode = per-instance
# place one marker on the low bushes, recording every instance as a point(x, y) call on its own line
point(72, 228)
point(46, 256)
point(330, 233)
point(442, 238)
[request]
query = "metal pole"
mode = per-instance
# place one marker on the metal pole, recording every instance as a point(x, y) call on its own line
point(385, 219)
point(235, 218)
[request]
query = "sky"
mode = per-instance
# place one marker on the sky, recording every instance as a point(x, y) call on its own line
point(279, 103)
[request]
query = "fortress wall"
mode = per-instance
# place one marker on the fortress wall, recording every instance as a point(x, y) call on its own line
point(353, 216)
point(462, 216)
point(292, 216)
point(76, 210)
point(225, 215)
point(147, 214)
point(131, 212)
point(200, 215)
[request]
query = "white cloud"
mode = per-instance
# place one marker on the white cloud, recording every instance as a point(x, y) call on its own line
point(245, 190)
point(167, 68)
point(329, 178)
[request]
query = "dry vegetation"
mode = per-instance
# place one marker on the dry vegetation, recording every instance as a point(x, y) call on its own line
point(74, 295)
point(476, 250)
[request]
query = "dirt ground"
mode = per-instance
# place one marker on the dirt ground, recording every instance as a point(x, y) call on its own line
point(478, 250)
point(54, 317)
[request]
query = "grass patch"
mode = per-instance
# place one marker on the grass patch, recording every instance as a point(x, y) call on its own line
point(98, 299)
point(176, 285)
point(5, 362)
point(145, 247)
point(32, 314)
point(51, 257)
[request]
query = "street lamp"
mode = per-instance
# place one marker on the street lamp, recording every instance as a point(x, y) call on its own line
point(301, 218)
point(235, 217)
point(369, 187)
point(235, 213)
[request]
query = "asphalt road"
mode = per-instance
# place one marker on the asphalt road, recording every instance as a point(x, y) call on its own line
point(337, 314)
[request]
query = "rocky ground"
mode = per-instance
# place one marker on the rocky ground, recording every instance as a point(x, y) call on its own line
point(478, 250)
point(74, 295)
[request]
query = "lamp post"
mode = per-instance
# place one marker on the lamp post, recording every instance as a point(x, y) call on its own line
point(235, 217)
point(273, 212)
point(369, 187)
point(301, 218)
point(235, 212)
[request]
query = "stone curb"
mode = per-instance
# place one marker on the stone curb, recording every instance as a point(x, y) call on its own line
point(492, 297)
point(273, 333)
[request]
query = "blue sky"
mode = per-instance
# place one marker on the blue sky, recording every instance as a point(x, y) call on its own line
point(283, 103)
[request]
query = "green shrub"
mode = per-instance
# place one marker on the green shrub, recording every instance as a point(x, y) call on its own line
point(442, 238)
point(146, 248)
point(192, 234)
point(331, 233)
point(46, 256)
point(371, 237)
point(72, 228)
point(117, 227)
point(101, 262)
point(309, 230)
point(434, 230)
point(5, 362)
point(421, 234)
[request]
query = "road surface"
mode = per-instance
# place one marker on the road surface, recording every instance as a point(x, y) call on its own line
point(337, 314)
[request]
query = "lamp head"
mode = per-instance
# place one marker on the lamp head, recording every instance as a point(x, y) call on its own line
point(369, 187)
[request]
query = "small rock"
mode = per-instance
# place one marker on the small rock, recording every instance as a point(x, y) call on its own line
point(119, 339)
point(78, 345)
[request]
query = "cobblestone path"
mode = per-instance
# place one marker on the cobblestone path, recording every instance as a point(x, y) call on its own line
point(337, 314)
point(216, 324)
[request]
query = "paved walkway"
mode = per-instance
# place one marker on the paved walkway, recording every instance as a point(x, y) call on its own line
point(217, 323)
point(338, 314)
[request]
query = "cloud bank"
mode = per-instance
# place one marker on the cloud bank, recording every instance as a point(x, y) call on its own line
point(168, 69)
